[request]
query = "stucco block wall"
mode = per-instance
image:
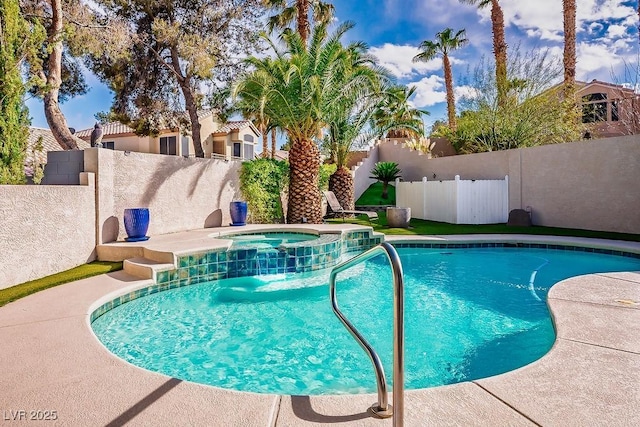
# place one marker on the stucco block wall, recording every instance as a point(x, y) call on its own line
point(63, 167)
point(590, 185)
point(46, 229)
point(181, 193)
point(361, 173)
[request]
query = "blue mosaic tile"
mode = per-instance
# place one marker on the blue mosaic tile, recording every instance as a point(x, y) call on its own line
point(162, 276)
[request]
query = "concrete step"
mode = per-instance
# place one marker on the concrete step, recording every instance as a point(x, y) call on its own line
point(145, 268)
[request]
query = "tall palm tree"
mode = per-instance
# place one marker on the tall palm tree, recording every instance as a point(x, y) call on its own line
point(445, 42)
point(297, 11)
point(395, 117)
point(301, 84)
point(499, 45)
point(569, 14)
point(348, 121)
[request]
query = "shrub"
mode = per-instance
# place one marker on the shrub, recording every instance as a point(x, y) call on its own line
point(261, 182)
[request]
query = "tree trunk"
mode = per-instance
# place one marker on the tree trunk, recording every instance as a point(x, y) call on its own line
point(303, 19)
point(385, 189)
point(448, 81)
point(569, 12)
point(192, 109)
point(341, 183)
point(500, 51)
point(265, 141)
point(55, 118)
point(304, 195)
point(273, 143)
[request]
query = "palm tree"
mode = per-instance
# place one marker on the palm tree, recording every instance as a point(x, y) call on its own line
point(395, 117)
point(499, 45)
point(569, 13)
point(385, 172)
point(348, 119)
point(444, 44)
point(297, 11)
point(301, 85)
point(274, 132)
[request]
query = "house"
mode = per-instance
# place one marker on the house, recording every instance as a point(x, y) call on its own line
point(237, 139)
point(231, 141)
point(608, 109)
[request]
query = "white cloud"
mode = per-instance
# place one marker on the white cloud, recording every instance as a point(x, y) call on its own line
point(399, 60)
point(464, 91)
point(616, 31)
point(595, 59)
point(544, 19)
point(429, 91)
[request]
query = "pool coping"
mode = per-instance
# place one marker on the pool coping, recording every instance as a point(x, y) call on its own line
point(53, 362)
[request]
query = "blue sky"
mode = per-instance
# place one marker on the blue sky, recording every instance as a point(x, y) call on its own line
point(607, 39)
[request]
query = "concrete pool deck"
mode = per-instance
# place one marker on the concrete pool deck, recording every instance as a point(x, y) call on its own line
point(53, 364)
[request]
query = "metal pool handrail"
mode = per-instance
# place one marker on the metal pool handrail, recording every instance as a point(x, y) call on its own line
point(382, 407)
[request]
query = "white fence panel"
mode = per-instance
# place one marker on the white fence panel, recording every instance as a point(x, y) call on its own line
point(440, 200)
point(456, 202)
point(483, 201)
point(411, 195)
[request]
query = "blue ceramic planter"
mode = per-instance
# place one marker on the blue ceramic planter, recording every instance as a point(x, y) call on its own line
point(238, 211)
point(136, 224)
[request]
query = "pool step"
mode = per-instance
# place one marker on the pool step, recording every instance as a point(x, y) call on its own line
point(145, 268)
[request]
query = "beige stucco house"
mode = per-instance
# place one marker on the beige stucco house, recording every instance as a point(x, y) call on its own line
point(232, 141)
point(608, 109)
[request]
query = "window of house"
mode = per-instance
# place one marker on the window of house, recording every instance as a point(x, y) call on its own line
point(614, 111)
point(185, 146)
point(248, 138)
point(237, 149)
point(111, 145)
point(168, 145)
point(248, 152)
point(594, 108)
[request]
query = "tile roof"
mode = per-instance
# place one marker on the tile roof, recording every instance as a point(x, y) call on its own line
point(234, 125)
point(117, 128)
point(49, 143)
point(108, 129)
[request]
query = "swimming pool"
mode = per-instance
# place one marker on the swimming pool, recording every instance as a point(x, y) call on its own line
point(470, 313)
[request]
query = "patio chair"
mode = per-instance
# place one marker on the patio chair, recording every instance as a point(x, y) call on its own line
point(336, 209)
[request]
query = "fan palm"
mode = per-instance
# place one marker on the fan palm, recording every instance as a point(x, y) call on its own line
point(301, 85)
point(298, 11)
point(499, 45)
point(445, 42)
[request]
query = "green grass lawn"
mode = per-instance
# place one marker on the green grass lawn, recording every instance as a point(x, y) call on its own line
point(422, 227)
point(372, 196)
point(81, 272)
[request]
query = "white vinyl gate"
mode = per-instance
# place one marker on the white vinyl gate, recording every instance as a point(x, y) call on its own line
point(456, 202)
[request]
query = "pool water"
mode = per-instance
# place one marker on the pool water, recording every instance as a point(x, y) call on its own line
point(469, 314)
point(267, 240)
